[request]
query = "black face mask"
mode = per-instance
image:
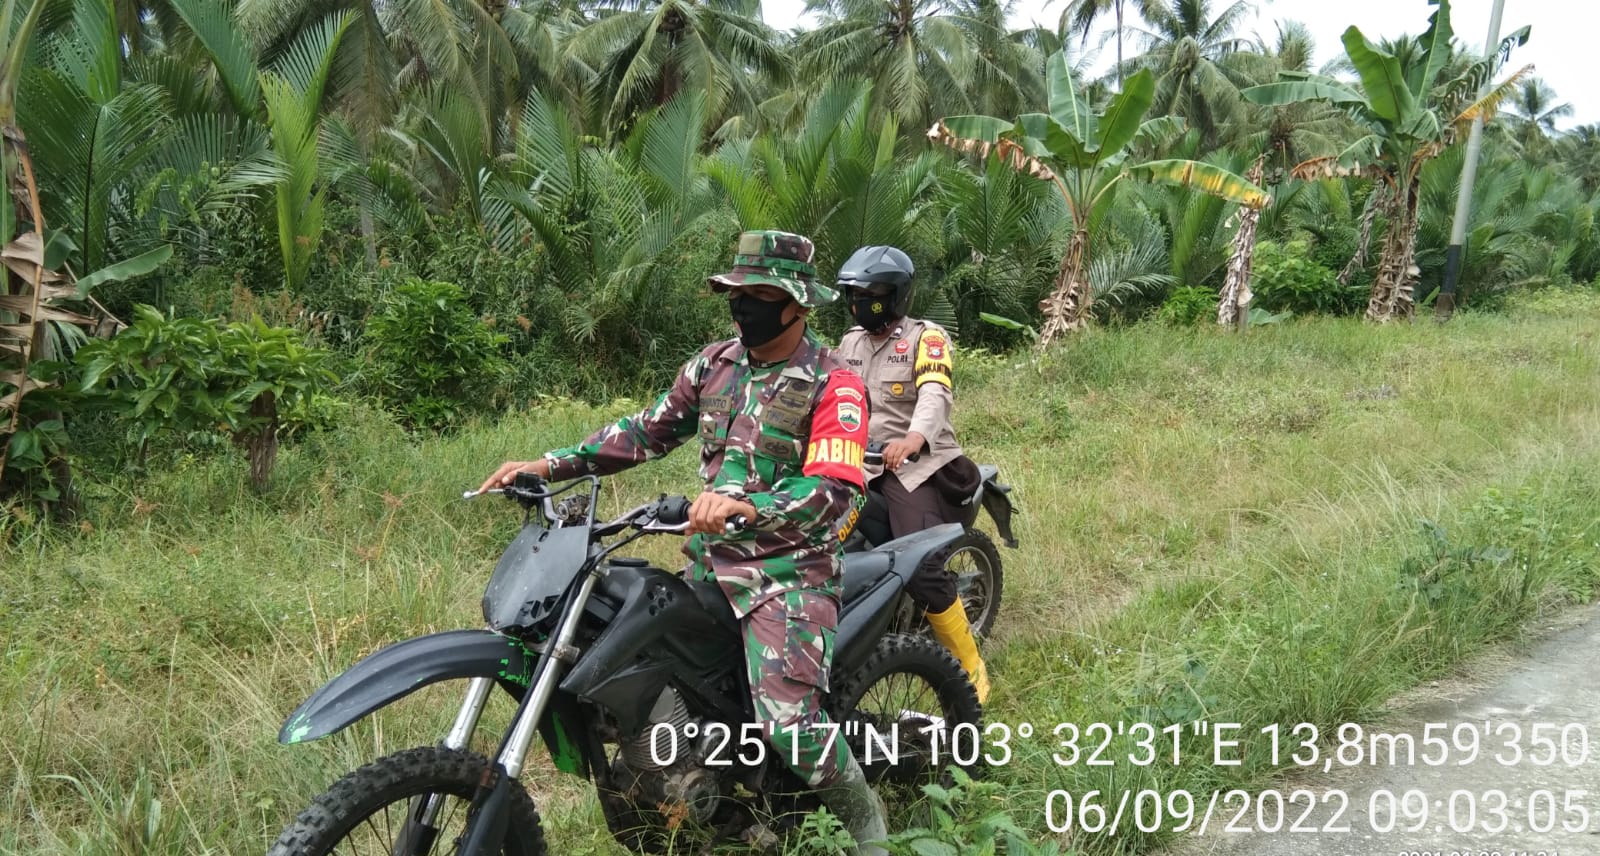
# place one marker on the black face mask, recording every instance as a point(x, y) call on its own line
point(760, 321)
point(872, 313)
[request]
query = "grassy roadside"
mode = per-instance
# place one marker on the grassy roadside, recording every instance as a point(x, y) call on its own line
point(1214, 527)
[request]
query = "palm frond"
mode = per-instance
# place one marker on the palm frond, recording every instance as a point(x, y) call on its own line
point(226, 48)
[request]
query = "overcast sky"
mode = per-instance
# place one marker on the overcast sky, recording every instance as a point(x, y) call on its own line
point(1560, 47)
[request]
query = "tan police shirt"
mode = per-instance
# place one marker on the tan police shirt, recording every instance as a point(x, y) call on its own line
point(907, 375)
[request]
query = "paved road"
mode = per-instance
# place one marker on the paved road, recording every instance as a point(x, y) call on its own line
point(1557, 681)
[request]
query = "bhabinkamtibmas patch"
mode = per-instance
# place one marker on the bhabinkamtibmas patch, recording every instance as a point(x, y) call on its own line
point(933, 358)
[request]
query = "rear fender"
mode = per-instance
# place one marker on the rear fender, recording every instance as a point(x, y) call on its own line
point(997, 501)
point(913, 549)
point(395, 672)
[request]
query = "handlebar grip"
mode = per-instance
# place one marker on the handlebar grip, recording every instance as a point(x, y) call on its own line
point(736, 523)
point(673, 511)
point(875, 458)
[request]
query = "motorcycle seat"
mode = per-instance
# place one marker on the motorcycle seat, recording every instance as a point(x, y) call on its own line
point(862, 570)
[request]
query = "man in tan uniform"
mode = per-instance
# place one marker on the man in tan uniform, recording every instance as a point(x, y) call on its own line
point(906, 366)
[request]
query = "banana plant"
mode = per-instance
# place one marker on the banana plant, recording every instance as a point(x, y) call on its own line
point(1412, 113)
point(34, 292)
point(1086, 155)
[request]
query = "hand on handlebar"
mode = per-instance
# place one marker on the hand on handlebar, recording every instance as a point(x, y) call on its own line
point(508, 472)
point(710, 513)
point(904, 449)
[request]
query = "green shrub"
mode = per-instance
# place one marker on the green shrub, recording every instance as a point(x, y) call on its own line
point(40, 438)
point(193, 377)
point(1188, 306)
point(1288, 277)
point(432, 359)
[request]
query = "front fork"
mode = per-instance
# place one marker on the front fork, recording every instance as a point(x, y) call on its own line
point(486, 828)
point(460, 732)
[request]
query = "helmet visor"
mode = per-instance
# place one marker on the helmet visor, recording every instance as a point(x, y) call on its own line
point(871, 289)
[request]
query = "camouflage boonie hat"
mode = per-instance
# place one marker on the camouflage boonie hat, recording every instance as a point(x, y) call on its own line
point(780, 259)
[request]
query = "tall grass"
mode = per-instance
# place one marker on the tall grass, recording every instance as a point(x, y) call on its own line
point(1213, 527)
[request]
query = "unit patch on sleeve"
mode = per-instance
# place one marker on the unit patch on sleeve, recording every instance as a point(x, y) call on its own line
point(849, 415)
point(837, 447)
point(933, 358)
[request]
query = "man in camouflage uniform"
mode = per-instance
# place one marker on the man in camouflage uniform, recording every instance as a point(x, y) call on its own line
point(906, 366)
point(782, 426)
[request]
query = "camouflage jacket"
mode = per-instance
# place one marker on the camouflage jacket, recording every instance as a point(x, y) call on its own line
point(907, 377)
point(788, 438)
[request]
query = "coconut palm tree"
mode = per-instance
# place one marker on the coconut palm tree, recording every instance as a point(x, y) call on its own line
point(1007, 73)
point(1536, 114)
point(1191, 46)
point(644, 52)
point(1080, 16)
point(1580, 151)
point(918, 54)
point(1290, 133)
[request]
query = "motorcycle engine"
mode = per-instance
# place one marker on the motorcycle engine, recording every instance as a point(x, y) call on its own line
point(685, 786)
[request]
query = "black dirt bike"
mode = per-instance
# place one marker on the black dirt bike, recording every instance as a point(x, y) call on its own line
point(973, 559)
point(635, 678)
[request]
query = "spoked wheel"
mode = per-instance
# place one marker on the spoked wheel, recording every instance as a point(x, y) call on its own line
point(902, 712)
point(975, 563)
point(367, 811)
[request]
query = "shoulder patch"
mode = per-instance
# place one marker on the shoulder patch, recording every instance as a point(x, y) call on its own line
point(933, 358)
point(838, 437)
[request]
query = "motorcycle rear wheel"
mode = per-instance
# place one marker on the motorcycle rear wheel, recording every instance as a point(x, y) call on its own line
point(907, 680)
point(975, 563)
point(352, 804)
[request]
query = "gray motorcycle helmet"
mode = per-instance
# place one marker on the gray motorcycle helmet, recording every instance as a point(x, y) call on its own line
point(873, 266)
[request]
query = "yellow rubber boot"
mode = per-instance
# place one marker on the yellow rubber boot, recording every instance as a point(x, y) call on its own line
point(951, 629)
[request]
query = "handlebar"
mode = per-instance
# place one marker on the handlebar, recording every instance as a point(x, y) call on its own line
point(874, 455)
point(674, 511)
point(666, 514)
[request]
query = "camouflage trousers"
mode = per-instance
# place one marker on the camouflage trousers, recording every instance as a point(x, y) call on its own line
point(788, 643)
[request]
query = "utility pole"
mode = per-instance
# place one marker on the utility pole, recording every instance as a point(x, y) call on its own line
point(1445, 305)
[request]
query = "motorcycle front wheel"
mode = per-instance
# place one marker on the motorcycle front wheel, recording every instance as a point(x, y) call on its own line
point(367, 810)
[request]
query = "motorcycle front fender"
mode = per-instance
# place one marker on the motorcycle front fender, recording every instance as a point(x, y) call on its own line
point(397, 671)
